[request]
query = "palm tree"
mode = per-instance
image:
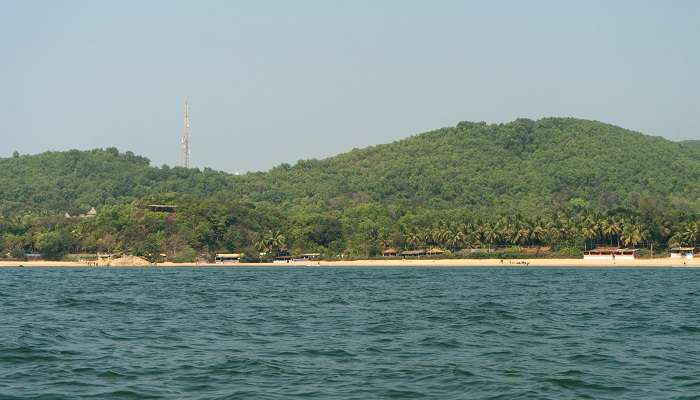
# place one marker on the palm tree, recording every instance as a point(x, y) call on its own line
point(588, 234)
point(385, 242)
point(426, 238)
point(521, 235)
point(589, 229)
point(442, 236)
point(275, 241)
point(538, 232)
point(506, 230)
point(490, 234)
point(455, 240)
point(261, 246)
point(561, 228)
point(611, 228)
point(470, 233)
point(414, 238)
point(664, 229)
point(688, 235)
point(633, 233)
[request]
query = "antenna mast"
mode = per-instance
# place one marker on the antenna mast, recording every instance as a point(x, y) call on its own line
point(186, 137)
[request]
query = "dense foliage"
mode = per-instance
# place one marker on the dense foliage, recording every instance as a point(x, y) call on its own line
point(562, 182)
point(74, 181)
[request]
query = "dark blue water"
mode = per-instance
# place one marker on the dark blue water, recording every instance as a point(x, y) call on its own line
point(349, 333)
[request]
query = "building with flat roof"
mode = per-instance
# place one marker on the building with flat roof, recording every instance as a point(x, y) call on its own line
point(227, 258)
point(610, 253)
point(683, 252)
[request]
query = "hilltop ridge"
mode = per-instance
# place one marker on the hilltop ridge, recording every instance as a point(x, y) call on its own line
point(521, 166)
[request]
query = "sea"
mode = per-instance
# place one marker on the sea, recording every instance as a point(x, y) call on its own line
point(349, 333)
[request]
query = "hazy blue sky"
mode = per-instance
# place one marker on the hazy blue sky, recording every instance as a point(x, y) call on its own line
point(273, 82)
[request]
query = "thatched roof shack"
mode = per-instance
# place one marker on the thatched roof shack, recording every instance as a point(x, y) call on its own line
point(390, 252)
point(422, 252)
point(412, 253)
point(610, 253)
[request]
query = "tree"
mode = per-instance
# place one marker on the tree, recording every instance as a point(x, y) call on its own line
point(54, 244)
point(611, 228)
point(491, 235)
point(633, 234)
point(275, 241)
point(326, 231)
point(15, 245)
point(455, 240)
point(414, 239)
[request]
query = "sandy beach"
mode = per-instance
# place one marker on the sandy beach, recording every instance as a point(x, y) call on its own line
point(553, 263)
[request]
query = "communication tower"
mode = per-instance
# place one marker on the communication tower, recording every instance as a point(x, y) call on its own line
point(186, 137)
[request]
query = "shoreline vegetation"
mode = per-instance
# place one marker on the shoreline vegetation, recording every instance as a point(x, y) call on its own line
point(522, 263)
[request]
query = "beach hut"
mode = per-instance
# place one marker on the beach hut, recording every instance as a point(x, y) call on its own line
point(600, 253)
point(683, 252)
point(33, 256)
point(610, 254)
point(435, 251)
point(627, 254)
point(412, 253)
point(390, 252)
point(227, 258)
point(307, 257)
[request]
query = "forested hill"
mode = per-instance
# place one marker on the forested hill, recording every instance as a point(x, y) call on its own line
point(693, 145)
point(523, 166)
point(73, 181)
point(520, 166)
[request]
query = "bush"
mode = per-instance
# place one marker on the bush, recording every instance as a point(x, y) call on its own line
point(186, 254)
point(568, 252)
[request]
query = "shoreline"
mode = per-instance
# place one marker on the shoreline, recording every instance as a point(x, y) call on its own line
point(463, 263)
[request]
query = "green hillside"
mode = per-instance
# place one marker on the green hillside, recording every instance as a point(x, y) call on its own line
point(693, 146)
point(562, 182)
point(73, 181)
point(523, 166)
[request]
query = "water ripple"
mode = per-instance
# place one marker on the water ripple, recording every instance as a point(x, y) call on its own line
point(334, 333)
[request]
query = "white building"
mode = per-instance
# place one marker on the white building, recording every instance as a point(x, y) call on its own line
point(227, 258)
point(610, 254)
point(683, 252)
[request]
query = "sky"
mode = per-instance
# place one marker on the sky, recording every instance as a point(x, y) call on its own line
point(278, 81)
